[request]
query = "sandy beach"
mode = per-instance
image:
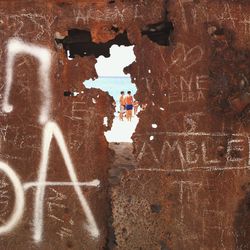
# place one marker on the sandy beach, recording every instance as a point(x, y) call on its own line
point(122, 130)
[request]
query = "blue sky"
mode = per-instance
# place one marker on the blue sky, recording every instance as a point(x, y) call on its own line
point(114, 85)
point(110, 71)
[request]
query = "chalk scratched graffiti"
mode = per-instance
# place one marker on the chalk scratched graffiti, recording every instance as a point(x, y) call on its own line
point(193, 149)
point(15, 47)
point(193, 13)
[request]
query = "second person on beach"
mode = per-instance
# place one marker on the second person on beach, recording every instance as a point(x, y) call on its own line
point(122, 105)
point(129, 105)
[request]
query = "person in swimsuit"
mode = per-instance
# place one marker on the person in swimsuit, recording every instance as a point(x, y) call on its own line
point(122, 105)
point(129, 105)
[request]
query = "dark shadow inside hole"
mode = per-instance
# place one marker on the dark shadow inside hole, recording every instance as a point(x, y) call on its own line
point(79, 42)
point(115, 29)
point(155, 208)
point(159, 32)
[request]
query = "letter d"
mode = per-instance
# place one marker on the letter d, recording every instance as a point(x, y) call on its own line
point(19, 199)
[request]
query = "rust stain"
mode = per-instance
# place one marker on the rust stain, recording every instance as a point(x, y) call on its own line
point(188, 188)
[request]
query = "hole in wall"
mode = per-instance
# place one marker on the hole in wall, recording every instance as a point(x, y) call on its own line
point(159, 32)
point(113, 81)
point(79, 42)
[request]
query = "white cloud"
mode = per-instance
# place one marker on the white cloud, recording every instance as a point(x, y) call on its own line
point(120, 57)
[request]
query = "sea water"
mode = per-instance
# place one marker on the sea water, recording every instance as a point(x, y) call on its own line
point(113, 85)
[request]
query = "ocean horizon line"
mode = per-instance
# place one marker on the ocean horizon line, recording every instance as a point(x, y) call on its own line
point(112, 77)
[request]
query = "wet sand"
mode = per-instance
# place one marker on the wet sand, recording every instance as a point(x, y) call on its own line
point(120, 141)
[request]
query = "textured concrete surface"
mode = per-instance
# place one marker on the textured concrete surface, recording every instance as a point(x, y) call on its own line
point(189, 188)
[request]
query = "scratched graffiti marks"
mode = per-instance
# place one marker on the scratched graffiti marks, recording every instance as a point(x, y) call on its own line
point(188, 193)
point(183, 58)
point(235, 16)
point(56, 205)
point(51, 129)
point(187, 89)
point(55, 201)
point(187, 204)
point(197, 151)
point(181, 81)
point(79, 112)
point(109, 14)
point(40, 25)
point(16, 47)
point(18, 139)
point(5, 197)
point(82, 118)
point(74, 142)
point(194, 202)
point(219, 224)
point(191, 148)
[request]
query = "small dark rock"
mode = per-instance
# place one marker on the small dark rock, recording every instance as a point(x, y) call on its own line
point(155, 208)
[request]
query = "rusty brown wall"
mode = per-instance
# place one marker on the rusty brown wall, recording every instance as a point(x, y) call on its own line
point(190, 188)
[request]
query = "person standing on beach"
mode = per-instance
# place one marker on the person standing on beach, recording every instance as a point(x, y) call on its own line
point(122, 105)
point(129, 105)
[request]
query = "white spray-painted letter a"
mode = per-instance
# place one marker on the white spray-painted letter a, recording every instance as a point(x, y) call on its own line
point(16, 47)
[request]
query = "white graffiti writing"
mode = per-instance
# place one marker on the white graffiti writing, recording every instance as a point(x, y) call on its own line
point(16, 47)
point(51, 130)
point(19, 201)
point(192, 148)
